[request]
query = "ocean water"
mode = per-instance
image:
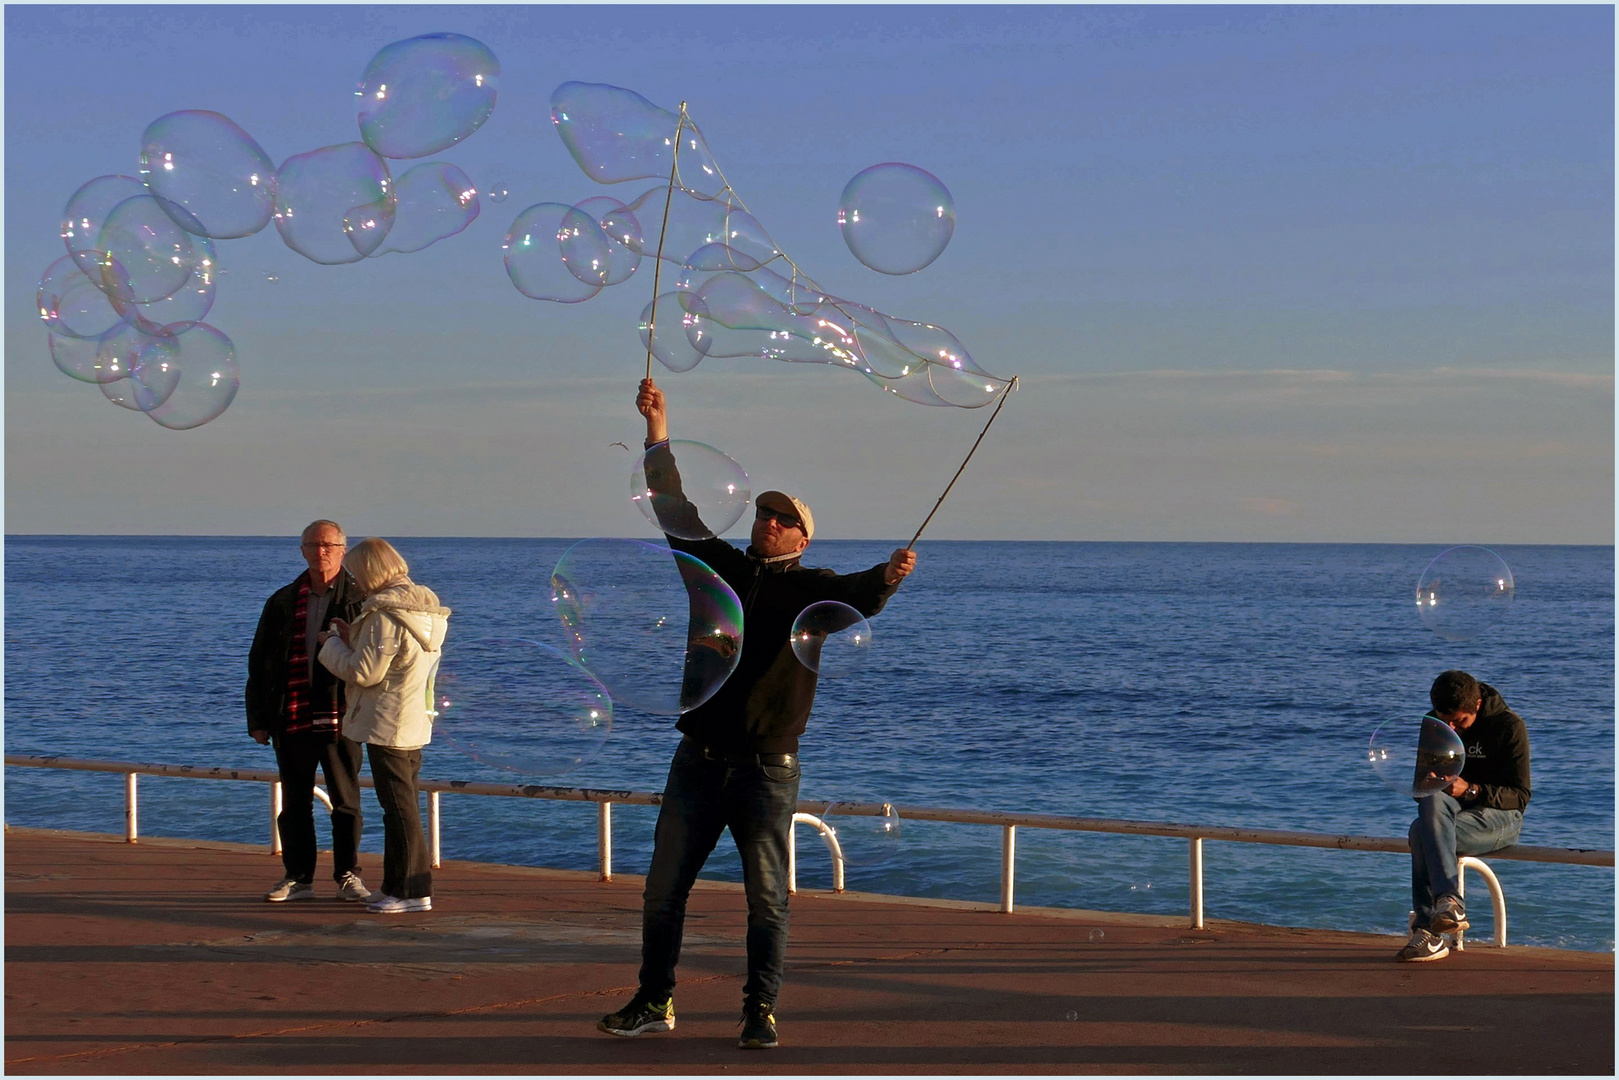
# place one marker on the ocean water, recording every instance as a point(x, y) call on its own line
point(1221, 684)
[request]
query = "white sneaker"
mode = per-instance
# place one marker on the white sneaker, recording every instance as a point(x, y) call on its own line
point(383, 904)
point(290, 889)
point(351, 888)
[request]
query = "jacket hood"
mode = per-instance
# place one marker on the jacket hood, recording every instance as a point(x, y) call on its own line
point(1490, 700)
point(416, 608)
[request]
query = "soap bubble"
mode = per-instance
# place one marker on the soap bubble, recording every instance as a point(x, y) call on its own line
point(72, 305)
point(190, 304)
point(534, 259)
point(585, 249)
point(86, 211)
point(677, 315)
point(896, 218)
point(153, 255)
point(714, 487)
point(498, 192)
point(431, 202)
point(271, 276)
point(1416, 759)
point(1072, 1014)
point(1096, 935)
point(866, 839)
point(201, 362)
point(203, 163)
point(622, 260)
point(658, 628)
point(616, 134)
point(423, 94)
point(1463, 591)
point(320, 194)
point(831, 638)
point(521, 706)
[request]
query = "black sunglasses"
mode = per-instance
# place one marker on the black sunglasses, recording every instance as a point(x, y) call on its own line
point(784, 519)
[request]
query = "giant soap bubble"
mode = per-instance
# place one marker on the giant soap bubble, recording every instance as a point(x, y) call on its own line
point(521, 706)
point(71, 304)
point(535, 258)
point(1463, 591)
point(1416, 759)
point(86, 212)
point(658, 628)
point(423, 94)
point(198, 365)
point(324, 196)
point(866, 839)
point(831, 638)
point(712, 493)
point(155, 255)
point(896, 218)
point(432, 201)
point(203, 163)
point(616, 134)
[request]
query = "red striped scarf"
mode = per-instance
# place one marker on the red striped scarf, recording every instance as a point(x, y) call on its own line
point(299, 712)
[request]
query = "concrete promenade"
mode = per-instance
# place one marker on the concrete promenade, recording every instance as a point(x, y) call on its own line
point(159, 957)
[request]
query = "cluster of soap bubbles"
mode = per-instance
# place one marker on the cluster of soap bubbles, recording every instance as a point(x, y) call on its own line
point(125, 308)
point(732, 292)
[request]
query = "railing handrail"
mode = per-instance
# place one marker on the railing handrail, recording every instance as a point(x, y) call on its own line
point(1346, 842)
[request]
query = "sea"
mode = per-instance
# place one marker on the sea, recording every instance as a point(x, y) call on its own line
point(1216, 684)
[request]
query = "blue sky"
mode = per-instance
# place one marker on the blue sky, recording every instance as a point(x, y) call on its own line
point(1265, 273)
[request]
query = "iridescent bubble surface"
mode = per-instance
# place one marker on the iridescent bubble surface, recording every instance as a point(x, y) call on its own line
point(321, 196)
point(1464, 591)
point(689, 489)
point(202, 361)
point(71, 305)
point(103, 359)
point(896, 218)
point(86, 211)
point(204, 163)
point(534, 258)
point(615, 134)
point(670, 328)
point(156, 255)
point(521, 706)
point(622, 260)
point(832, 639)
point(433, 201)
point(658, 628)
point(1416, 758)
point(426, 93)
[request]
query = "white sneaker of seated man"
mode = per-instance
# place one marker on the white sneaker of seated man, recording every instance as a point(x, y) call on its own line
point(383, 904)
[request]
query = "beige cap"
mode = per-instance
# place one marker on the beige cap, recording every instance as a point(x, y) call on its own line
point(780, 500)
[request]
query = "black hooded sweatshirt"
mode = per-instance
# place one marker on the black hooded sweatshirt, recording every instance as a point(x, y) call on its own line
point(1497, 745)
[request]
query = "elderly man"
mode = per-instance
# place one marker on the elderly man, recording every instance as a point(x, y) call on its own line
point(737, 765)
point(298, 705)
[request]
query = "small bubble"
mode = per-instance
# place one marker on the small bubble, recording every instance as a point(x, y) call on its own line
point(1148, 885)
point(272, 277)
point(497, 192)
point(1097, 935)
point(1072, 1015)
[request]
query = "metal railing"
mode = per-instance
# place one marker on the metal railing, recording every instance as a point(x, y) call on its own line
point(1007, 821)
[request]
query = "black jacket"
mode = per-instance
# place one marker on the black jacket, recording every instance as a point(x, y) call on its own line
point(1497, 745)
point(267, 659)
point(763, 706)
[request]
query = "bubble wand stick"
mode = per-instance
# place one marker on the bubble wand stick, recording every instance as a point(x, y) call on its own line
point(1009, 388)
point(657, 264)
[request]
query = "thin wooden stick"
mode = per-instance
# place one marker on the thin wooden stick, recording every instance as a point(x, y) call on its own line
point(657, 264)
point(1009, 388)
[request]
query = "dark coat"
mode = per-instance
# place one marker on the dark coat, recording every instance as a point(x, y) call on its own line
point(1497, 746)
point(267, 659)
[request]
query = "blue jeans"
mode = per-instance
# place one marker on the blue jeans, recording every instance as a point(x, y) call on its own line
point(702, 799)
point(1442, 833)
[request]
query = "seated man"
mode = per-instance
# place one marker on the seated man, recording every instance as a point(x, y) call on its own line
point(1480, 812)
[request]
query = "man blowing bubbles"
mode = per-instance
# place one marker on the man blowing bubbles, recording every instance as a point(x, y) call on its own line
point(737, 763)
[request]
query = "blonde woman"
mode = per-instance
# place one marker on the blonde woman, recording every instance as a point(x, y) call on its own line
point(387, 659)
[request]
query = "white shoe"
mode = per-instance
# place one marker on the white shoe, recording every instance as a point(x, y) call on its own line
point(351, 888)
point(290, 889)
point(383, 904)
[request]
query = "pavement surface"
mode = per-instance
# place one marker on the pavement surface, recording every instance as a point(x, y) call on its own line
point(160, 957)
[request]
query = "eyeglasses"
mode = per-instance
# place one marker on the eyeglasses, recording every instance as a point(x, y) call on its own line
point(782, 518)
point(310, 545)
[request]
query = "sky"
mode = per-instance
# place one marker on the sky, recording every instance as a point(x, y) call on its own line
point(1312, 274)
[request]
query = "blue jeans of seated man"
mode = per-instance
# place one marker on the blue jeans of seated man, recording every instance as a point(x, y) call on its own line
point(702, 799)
point(1443, 832)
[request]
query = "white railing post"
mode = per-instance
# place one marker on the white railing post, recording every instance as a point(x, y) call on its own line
point(1498, 899)
point(275, 818)
point(1008, 864)
point(1194, 878)
point(792, 857)
point(604, 839)
point(432, 824)
point(131, 819)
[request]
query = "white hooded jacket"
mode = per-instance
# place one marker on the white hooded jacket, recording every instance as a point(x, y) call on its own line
point(394, 650)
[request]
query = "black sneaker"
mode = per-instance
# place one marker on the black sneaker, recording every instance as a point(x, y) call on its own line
point(1449, 916)
point(758, 1026)
point(639, 1017)
point(1423, 946)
